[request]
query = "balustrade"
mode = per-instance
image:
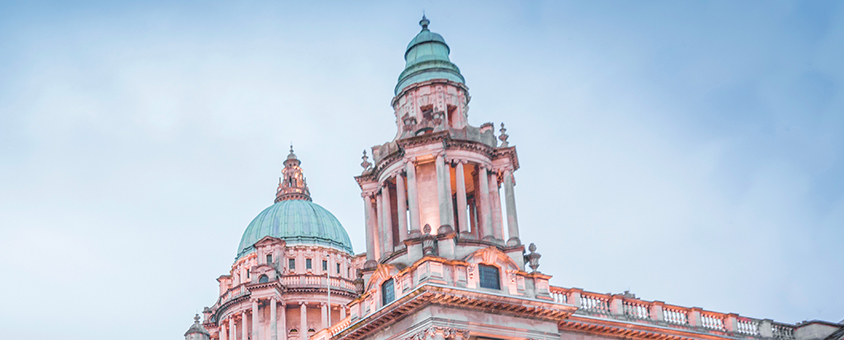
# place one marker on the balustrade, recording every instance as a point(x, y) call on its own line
point(675, 315)
point(747, 326)
point(712, 321)
point(658, 312)
point(559, 296)
point(595, 303)
point(636, 309)
point(783, 331)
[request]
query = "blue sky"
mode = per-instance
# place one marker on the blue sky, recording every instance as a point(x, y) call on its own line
point(691, 152)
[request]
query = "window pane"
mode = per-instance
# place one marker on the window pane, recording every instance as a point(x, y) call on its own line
point(291, 264)
point(307, 263)
point(489, 277)
point(388, 292)
point(338, 268)
point(324, 265)
point(269, 259)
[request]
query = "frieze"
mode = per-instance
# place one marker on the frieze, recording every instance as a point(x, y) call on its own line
point(446, 332)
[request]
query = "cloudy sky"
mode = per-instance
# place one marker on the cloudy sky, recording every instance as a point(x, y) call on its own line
point(690, 152)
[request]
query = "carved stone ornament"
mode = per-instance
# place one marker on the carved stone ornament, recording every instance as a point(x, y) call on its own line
point(447, 333)
point(365, 164)
point(503, 136)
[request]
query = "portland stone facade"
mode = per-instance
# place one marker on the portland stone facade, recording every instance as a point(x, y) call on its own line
point(444, 259)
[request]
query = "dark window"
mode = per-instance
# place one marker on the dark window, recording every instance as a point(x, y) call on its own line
point(247, 274)
point(338, 269)
point(263, 279)
point(324, 265)
point(489, 277)
point(269, 259)
point(307, 263)
point(294, 331)
point(388, 292)
point(291, 264)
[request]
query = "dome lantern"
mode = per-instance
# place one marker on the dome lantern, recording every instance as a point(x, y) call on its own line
point(426, 58)
point(292, 185)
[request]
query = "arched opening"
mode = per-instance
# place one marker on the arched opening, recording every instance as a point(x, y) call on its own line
point(263, 279)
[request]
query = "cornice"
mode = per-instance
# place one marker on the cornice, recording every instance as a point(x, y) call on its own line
point(433, 294)
point(634, 330)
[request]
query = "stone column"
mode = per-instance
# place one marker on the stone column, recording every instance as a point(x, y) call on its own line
point(484, 216)
point(232, 329)
point(495, 206)
point(449, 200)
point(369, 216)
point(273, 320)
point(462, 221)
point(282, 321)
point(443, 192)
point(342, 312)
point(473, 218)
point(223, 331)
point(324, 315)
point(303, 321)
point(412, 196)
point(387, 218)
point(255, 320)
point(512, 219)
point(244, 330)
point(401, 206)
point(379, 207)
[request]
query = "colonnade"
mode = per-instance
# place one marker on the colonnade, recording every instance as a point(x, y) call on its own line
point(277, 321)
point(394, 206)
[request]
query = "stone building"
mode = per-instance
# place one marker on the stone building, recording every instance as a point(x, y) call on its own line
point(443, 258)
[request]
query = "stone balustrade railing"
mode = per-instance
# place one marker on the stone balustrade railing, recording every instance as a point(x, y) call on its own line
point(626, 307)
point(317, 281)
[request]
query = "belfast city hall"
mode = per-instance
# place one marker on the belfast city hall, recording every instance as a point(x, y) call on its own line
point(443, 259)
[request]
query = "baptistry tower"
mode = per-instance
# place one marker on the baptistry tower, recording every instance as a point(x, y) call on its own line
point(439, 175)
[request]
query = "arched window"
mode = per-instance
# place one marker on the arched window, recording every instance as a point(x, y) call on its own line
point(263, 279)
point(294, 331)
point(489, 277)
point(388, 292)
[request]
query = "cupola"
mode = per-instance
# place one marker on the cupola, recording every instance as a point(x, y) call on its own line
point(426, 58)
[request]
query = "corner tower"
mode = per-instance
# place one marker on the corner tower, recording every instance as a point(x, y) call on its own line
point(439, 175)
point(442, 262)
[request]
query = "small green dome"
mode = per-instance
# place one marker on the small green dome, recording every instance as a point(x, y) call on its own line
point(426, 58)
point(297, 222)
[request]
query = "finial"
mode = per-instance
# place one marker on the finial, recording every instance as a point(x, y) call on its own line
point(291, 147)
point(533, 257)
point(503, 136)
point(196, 318)
point(424, 22)
point(365, 164)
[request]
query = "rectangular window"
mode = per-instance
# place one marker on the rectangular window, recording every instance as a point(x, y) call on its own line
point(308, 264)
point(388, 292)
point(324, 265)
point(269, 259)
point(338, 269)
point(489, 277)
point(291, 264)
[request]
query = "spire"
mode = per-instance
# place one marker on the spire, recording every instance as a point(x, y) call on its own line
point(292, 185)
point(424, 22)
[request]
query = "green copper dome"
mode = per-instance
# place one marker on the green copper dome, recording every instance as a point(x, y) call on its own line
point(426, 59)
point(297, 222)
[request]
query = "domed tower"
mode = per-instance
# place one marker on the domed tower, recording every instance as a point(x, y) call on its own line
point(439, 171)
point(441, 262)
point(294, 270)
